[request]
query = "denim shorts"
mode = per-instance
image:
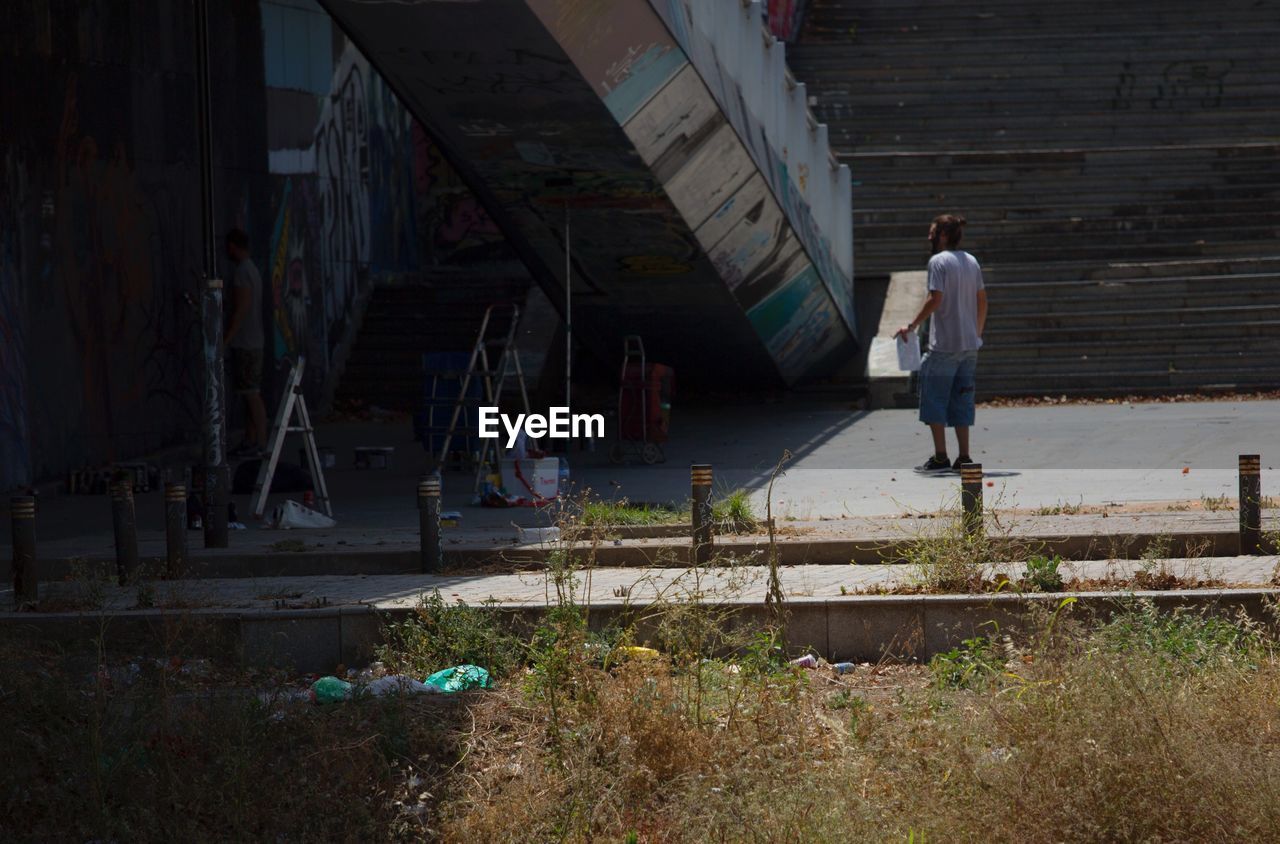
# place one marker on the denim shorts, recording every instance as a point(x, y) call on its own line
point(947, 388)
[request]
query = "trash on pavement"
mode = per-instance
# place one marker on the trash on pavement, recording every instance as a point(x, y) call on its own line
point(397, 684)
point(637, 652)
point(291, 514)
point(542, 534)
point(460, 678)
point(331, 690)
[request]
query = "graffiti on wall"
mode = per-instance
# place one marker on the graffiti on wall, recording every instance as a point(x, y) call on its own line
point(95, 251)
point(342, 178)
point(378, 200)
point(777, 148)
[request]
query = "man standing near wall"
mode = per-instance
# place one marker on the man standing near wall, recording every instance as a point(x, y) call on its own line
point(244, 342)
point(958, 304)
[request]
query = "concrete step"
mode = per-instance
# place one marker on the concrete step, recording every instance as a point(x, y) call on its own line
point(1224, 330)
point(1033, 308)
point(1119, 165)
point(1207, 220)
point(1131, 383)
point(1085, 365)
point(982, 215)
point(1049, 348)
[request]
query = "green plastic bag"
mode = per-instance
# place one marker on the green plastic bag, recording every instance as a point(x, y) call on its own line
point(330, 690)
point(459, 678)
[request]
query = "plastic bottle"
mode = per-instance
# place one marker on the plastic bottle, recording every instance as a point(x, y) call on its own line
point(564, 477)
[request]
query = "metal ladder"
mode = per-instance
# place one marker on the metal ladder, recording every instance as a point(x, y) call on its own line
point(293, 400)
point(494, 380)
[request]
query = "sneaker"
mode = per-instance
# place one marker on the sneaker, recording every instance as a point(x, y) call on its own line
point(935, 465)
point(960, 461)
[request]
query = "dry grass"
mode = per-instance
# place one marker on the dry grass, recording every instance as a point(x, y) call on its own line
point(131, 749)
point(1138, 727)
point(1143, 731)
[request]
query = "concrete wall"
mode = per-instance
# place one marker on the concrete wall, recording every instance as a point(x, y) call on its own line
point(745, 68)
point(99, 210)
point(99, 216)
point(358, 189)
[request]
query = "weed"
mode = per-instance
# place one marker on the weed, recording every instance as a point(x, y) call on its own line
point(975, 662)
point(1061, 509)
point(1179, 637)
point(1214, 503)
point(293, 546)
point(439, 635)
point(1042, 573)
point(1159, 548)
point(734, 513)
point(146, 594)
point(606, 514)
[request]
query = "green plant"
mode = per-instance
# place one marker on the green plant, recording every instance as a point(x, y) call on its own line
point(1061, 509)
point(971, 664)
point(599, 513)
point(293, 546)
point(1159, 548)
point(1180, 637)
point(1042, 573)
point(734, 513)
point(146, 594)
point(439, 635)
point(1214, 503)
point(948, 557)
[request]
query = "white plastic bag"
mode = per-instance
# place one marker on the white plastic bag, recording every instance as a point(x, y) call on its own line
point(398, 684)
point(536, 534)
point(909, 352)
point(291, 514)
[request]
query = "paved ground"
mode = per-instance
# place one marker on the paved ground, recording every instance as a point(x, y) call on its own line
point(846, 464)
point(358, 542)
point(641, 586)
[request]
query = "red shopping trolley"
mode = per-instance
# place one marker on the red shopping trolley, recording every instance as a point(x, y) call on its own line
point(644, 406)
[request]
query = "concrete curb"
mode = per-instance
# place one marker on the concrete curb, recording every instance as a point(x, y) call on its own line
point(856, 628)
point(404, 559)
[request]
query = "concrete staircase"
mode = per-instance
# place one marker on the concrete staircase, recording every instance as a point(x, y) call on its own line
point(440, 312)
point(1119, 165)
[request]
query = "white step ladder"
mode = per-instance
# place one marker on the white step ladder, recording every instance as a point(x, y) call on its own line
point(494, 380)
point(294, 401)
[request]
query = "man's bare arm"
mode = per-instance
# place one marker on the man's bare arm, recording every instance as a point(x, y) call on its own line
point(930, 305)
point(982, 311)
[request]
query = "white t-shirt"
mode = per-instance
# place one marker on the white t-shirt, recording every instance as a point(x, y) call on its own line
point(954, 325)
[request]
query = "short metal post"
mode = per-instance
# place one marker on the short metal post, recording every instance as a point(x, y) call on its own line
point(700, 477)
point(175, 529)
point(429, 523)
point(1250, 504)
point(22, 509)
point(971, 495)
point(126, 531)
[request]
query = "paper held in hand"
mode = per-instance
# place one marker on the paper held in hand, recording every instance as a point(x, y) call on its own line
point(909, 352)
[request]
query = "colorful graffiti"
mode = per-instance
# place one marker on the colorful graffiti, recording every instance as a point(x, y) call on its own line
point(342, 178)
point(378, 200)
